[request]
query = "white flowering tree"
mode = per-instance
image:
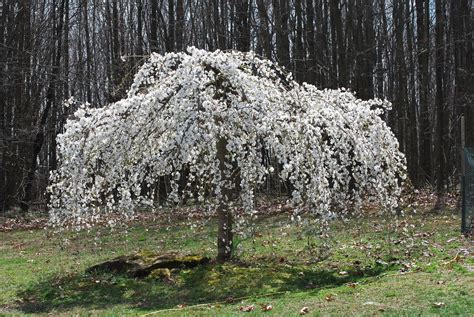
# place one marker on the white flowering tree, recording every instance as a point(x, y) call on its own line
point(213, 116)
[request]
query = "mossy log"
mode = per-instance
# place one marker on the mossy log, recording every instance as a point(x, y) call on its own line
point(141, 264)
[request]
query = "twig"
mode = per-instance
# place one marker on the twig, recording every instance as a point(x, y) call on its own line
point(233, 300)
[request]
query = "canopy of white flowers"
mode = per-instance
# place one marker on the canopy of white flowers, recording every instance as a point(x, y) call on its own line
point(332, 147)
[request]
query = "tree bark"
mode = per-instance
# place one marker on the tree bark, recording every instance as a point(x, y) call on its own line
point(423, 43)
point(311, 62)
point(50, 103)
point(224, 215)
point(179, 26)
point(171, 27)
point(153, 39)
point(440, 105)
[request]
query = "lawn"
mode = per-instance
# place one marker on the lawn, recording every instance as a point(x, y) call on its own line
point(416, 264)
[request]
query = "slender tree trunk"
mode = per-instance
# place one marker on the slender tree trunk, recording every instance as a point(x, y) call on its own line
point(413, 165)
point(299, 56)
point(280, 13)
point(339, 51)
point(243, 27)
point(400, 91)
point(153, 39)
point(464, 77)
point(440, 107)
point(50, 103)
point(265, 37)
point(179, 25)
point(171, 27)
point(423, 43)
point(224, 215)
point(311, 63)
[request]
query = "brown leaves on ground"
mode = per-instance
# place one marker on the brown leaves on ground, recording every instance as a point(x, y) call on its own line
point(266, 307)
point(247, 309)
point(22, 223)
point(304, 310)
point(330, 297)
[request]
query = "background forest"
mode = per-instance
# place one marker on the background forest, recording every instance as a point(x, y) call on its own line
point(415, 53)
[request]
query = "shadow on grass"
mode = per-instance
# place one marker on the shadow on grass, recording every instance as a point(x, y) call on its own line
point(205, 284)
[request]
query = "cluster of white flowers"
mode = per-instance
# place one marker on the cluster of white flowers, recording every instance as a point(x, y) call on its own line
point(334, 148)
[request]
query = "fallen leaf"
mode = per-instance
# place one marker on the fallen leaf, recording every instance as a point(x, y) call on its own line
point(266, 307)
point(329, 298)
point(304, 310)
point(247, 309)
point(381, 262)
point(439, 304)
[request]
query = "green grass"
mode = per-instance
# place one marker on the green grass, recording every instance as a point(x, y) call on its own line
point(366, 266)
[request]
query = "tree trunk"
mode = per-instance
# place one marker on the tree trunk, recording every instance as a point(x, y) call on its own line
point(243, 27)
point(224, 215)
point(51, 96)
point(299, 56)
point(339, 51)
point(462, 32)
point(440, 104)
point(280, 9)
point(153, 38)
point(311, 62)
point(423, 43)
point(171, 26)
point(264, 34)
point(179, 26)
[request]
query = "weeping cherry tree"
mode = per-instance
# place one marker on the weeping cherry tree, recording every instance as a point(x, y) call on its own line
point(213, 116)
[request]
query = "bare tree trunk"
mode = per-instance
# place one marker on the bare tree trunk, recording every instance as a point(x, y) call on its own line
point(311, 62)
point(243, 27)
point(280, 15)
point(440, 107)
point(464, 77)
point(339, 52)
point(400, 91)
point(171, 27)
point(51, 101)
point(299, 56)
point(153, 39)
point(413, 164)
point(179, 26)
point(139, 48)
point(423, 43)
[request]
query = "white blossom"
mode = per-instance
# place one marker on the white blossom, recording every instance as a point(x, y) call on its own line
point(333, 148)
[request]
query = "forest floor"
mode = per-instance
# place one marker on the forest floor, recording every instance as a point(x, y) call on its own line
point(417, 264)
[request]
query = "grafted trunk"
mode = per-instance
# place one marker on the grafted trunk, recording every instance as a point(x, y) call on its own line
point(224, 215)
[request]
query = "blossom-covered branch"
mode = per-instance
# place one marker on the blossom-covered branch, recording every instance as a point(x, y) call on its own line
point(332, 147)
